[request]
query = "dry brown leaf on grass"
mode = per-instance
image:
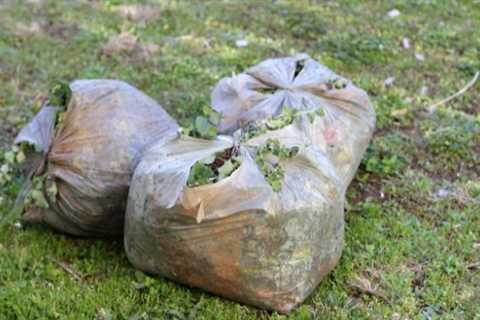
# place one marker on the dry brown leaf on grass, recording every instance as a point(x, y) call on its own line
point(127, 43)
point(138, 13)
point(22, 29)
point(363, 285)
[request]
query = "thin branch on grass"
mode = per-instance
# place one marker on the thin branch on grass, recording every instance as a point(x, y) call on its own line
point(65, 266)
point(432, 107)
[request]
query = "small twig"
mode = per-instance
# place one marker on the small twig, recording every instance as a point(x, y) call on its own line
point(65, 266)
point(363, 285)
point(432, 107)
point(371, 292)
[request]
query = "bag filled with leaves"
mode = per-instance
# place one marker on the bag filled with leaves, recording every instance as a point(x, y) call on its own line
point(255, 215)
point(347, 119)
point(90, 135)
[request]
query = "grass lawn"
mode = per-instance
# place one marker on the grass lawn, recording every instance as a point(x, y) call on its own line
point(412, 246)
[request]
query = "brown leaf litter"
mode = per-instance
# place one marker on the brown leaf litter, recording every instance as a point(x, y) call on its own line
point(128, 44)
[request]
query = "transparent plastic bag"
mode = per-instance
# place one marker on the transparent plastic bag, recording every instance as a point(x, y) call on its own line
point(238, 238)
point(91, 156)
point(300, 82)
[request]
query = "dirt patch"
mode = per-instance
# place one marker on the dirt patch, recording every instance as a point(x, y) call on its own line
point(61, 30)
point(128, 44)
point(363, 190)
point(138, 13)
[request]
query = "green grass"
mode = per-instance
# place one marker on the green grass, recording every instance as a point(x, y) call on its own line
point(413, 227)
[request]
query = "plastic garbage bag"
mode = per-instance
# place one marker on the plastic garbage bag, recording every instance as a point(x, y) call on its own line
point(238, 237)
point(89, 158)
point(301, 83)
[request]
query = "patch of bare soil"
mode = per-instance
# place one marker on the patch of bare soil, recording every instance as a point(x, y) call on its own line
point(128, 44)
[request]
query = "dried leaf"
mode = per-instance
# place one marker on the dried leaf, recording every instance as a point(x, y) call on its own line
point(123, 43)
